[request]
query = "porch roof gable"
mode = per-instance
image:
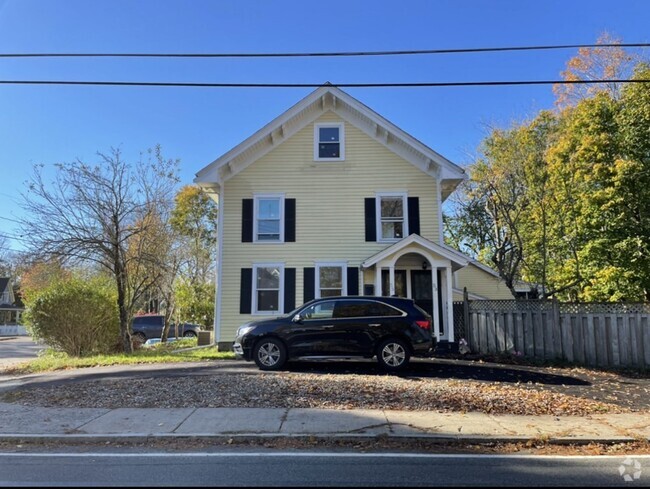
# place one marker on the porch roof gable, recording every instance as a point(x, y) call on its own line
point(458, 260)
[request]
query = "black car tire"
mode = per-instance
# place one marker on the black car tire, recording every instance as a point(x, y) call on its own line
point(393, 354)
point(270, 354)
point(189, 334)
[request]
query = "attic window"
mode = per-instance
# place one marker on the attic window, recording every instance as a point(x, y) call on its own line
point(329, 142)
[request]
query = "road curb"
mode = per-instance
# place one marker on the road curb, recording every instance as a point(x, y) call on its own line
point(243, 437)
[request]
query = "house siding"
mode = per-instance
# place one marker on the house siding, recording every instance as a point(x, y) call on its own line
point(481, 283)
point(329, 209)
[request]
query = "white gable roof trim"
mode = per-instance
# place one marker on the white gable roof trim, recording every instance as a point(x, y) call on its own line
point(457, 258)
point(323, 99)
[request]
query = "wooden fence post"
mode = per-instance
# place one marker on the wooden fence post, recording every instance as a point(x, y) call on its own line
point(557, 329)
point(468, 327)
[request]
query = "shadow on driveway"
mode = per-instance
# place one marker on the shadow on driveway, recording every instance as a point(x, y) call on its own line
point(442, 369)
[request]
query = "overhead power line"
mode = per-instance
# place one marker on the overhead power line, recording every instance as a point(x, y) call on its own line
point(323, 54)
point(316, 85)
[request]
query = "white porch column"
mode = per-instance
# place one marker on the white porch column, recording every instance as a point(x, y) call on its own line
point(436, 315)
point(391, 280)
point(450, 305)
point(377, 280)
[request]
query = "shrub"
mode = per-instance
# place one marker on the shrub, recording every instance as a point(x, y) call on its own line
point(79, 317)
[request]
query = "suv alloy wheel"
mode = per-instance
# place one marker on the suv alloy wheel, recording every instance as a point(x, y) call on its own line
point(270, 354)
point(393, 354)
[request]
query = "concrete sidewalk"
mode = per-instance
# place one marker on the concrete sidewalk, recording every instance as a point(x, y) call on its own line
point(21, 422)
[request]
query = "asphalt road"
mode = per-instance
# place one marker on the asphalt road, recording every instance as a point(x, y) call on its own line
point(17, 349)
point(316, 469)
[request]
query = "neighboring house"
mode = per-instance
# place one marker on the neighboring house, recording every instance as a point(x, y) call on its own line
point(9, 311)
point(332, 199)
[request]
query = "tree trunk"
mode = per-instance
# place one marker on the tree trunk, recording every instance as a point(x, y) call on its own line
point(125, 333)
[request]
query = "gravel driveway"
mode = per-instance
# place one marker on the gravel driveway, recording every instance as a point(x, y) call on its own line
point(441, 385)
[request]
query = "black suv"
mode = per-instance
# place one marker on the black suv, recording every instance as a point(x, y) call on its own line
point(151, 326)
point(392, 329)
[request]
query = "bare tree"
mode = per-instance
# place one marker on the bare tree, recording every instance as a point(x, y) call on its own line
point(4, 255)
point(101, 214)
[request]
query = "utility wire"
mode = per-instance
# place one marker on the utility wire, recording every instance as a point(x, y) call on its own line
point(316, 85)
point(322, 54)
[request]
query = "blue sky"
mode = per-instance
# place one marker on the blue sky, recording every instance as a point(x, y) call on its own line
point(53, 124)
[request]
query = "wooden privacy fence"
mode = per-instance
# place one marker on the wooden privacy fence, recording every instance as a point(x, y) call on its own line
point(592, 334)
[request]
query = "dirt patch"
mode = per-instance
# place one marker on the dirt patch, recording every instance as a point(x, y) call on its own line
point(377, 445)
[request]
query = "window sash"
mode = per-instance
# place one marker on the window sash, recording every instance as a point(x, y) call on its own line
point(267, 290)
point(323, 134)
point(336, 285)
point(398, 200)
point(270, 297)
point(329, 150)
point(329, 142)
point(391, 227)
point(269, 215)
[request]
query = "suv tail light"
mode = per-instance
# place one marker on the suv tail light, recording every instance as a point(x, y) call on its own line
point(424, 324)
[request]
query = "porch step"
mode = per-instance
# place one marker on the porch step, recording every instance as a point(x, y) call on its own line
point(446, 348)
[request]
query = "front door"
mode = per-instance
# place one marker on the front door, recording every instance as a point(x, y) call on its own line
point(422, 292)
point(422, 289)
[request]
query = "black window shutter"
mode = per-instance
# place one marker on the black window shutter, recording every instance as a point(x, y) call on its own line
point(309, 277)
point(289, 221)
point(246, 291)
point(414, 215)
point(247, 221)
point(289, 289)
point(371, 223)
point(353, 280)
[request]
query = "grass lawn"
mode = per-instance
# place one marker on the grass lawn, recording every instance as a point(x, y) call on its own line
point(177, 351)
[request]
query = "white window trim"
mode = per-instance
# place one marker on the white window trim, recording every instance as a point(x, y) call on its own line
point(341, 127)
point(256, 199)
point(344, 276)
point(280, 310)
point(405, 226)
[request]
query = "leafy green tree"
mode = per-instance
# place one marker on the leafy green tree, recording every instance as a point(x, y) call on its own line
point(563, 200)
point(503, 210)
point(195, 302)
point(194, 219)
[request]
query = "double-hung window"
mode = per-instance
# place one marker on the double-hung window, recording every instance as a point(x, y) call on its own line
point(268, 288)
point(391, 221)
point(329, 142)
point(331, 279)
point(269, 221)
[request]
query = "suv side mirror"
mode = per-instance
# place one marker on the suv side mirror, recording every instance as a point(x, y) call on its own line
point(296, 319)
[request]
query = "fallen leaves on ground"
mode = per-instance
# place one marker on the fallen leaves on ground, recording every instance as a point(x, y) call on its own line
point(305, 390)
